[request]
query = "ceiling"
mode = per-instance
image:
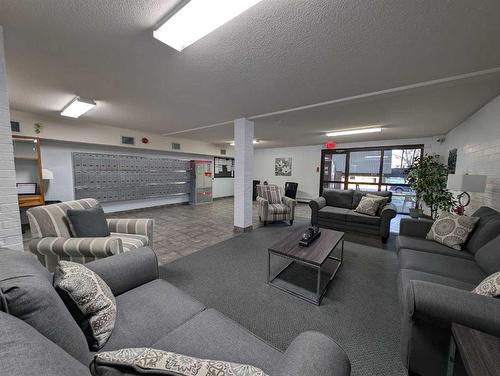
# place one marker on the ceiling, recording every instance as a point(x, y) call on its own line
point(280, 54)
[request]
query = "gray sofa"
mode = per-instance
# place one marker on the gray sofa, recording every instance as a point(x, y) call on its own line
point(435, 284)
point(39, 336)
point(335, 209)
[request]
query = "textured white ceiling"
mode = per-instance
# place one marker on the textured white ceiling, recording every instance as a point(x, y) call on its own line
point(279, 54)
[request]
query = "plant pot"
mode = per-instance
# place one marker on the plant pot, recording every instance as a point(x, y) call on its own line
point(416, 213)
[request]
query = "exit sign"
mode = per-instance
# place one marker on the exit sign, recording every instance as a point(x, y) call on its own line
point(330, 145)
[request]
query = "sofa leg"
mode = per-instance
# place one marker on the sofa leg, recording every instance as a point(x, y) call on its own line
point(265, 223)
point(384, 239)
point(260, 219)
point(291, 222)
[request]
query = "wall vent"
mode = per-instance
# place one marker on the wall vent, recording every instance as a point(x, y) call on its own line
point(222, 151)
point(15, 126)
point(128, 140)
point(176, 146)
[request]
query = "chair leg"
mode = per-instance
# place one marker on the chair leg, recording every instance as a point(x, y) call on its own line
point(384, 239)
point(260, 218)
point(265, 223)
point(291, 222)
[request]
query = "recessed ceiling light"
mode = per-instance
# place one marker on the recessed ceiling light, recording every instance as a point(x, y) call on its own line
point(197, 19)
point(354, 131)
point(77, 107)
point(254, 141)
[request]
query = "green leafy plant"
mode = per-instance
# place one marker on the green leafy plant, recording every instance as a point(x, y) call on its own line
point(428, 177)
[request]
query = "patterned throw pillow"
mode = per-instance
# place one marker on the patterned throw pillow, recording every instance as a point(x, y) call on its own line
point(369, 205)
point(490, 286)
point(383, 201)
point(89, 299)
point(149, 361)
point(452, 230)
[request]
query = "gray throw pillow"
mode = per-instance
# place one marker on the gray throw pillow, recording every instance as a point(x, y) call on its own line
point(88, 223)
point(383, 201)
point(369, 205)
point(452, 230)
point(89, 299)
point(490, 286)
point(146, 361)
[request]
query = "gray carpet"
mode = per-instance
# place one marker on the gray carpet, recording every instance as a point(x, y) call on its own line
point(360, 309)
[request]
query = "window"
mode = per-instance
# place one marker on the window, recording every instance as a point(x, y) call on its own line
point(372, 169)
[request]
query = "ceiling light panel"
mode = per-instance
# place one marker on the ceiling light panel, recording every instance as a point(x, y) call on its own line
point(77, 107)
point(354, 131)
point(197, 19)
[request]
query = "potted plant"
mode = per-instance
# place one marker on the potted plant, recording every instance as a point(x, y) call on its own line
point(428, 177)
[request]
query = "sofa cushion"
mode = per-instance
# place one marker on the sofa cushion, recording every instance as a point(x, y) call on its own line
point(211, 335)
point(26, 292)
point(333, 213)
point(446, 266)
point(278, 209)
point(490, 286)
point(487, 229)
point(147, 361)
point(355, 217)
point(148, 312)
point(421, 244)
point(24, 351)
point(488, 257)
point(338, 197)
point(89, 299)
point(452, 230)
point(88, 223)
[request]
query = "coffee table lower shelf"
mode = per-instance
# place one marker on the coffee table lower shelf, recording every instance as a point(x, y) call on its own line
point(305, 280)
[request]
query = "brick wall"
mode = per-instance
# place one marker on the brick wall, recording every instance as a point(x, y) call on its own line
point(477, 141)
point(10, 225)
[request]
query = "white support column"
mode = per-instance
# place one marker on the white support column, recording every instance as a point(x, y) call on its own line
point(10, 222)
point(243, 174)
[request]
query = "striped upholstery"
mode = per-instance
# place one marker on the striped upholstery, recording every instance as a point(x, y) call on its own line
point(53, 235)
point(269, 210)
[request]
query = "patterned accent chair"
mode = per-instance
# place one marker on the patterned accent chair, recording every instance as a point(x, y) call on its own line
point(53, 240)
point(274, 205)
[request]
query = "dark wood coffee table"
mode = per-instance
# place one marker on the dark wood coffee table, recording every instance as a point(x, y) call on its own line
point(308, 270)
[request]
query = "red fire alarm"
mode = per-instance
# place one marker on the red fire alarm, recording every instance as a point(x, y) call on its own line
point(145, 140)
point(330, 145)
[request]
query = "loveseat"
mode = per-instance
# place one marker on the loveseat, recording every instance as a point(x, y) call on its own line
point(435, 284)
point(335, 209)
point(40, 337)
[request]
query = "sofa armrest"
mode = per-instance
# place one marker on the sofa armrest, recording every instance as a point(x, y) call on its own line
point(387, 213)
point(263, 208)
point(313, 354)
point(415, 227)
point(316, 205)
point(290, 202)
point(127, 270)
point(447, 305)
point(76, 247)
point(139, 226)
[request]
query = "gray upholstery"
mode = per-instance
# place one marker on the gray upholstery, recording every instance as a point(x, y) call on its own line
point(148, 312)
point(321, 355)
point(435, 285)
point(488, 257)
point(26, 292)
point(335, 210)
point(446, 266)
point(211, 335)
point(424, 245)
point(25, 352)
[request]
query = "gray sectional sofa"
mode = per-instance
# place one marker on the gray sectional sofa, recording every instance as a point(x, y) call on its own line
point(39, 336)
point(435, 284)
point(335, 209)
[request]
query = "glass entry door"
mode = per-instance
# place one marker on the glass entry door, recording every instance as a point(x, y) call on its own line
point(372, 169)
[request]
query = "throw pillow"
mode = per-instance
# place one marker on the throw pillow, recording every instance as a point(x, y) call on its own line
point(369, 205)
point(146, 361)
point(383, 201)
point(88, 223)
point(89, 299)
point(490, 286)
point(452, 230)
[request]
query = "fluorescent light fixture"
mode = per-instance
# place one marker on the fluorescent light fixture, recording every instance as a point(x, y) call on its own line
point(77, 107)
point(254, 141)
point(354, 131)
point(197, 19)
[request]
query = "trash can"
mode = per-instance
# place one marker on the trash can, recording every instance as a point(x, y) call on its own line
point(291, 189)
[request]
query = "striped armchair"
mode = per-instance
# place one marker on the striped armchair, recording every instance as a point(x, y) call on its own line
point(52, 235)
point(274, 205)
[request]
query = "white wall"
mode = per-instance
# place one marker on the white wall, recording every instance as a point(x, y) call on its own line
point(10, 225)
point(477, 140)
point(306, 162)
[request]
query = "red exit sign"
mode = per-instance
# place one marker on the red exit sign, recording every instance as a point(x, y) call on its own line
point(330, 145)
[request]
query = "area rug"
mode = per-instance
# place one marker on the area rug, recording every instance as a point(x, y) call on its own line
point(360, 310)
